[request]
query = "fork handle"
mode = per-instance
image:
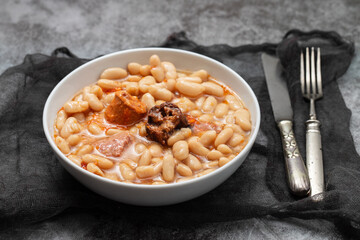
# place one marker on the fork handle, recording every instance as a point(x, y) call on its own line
point(297, 175)
point(314, 160)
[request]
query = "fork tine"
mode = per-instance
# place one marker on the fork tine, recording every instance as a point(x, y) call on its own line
point(307, 73)
point(313, 77)
point(318, 74)
point(302, 77)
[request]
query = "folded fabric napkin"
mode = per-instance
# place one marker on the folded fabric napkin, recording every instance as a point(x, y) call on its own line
point(34, 186)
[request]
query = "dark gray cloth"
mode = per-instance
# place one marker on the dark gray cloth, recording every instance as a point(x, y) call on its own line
point(34, 186)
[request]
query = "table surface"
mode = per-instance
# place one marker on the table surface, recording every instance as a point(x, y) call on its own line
point(92, 28)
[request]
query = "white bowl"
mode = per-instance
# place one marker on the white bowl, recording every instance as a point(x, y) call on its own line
point(149, 195)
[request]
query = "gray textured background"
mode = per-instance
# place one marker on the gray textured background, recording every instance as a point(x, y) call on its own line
point(92, 28)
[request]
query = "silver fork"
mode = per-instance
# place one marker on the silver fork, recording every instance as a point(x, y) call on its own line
point(311, 88)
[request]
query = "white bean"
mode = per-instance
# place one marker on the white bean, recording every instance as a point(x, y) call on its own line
point(75, 159)
point(140, 148)
point(134, 78)
point(109, 98)
point(95, 89)
point(193, 163)
point(108, 84)
point(149, 100)
point(196, 113)
point(158, 166)
point(190, 79)
point(132, 88)
point(213, 89)
point(102, 162)
point(130, 163)
point(60, 119)
point(85, 150)
point(196, 147)
point(80, 117)
point(242, 118)
point(168, 67)
point(145, 83)
point(168, 167)
point(158, 74)
point(145, 70)
point(145, 171)
point(206, 117)
point(76, 106)
point(230, 119)
point(208, 138)
point(199, 102)
point(179, 135)
point(185, 104)
point(114, 73)
point(235, 140)
point(145, 158)
point(134, 68)
point(94, 129)
point(212, 164)
point(71, 126)
point(91, 167)
point(181, 150)
point(73, 140)
point(94, 103)
point(214, 155)
point(111, 176)
point(62, 145)
point(170, 84)
point(78, 97)
point(233, 102)
point(221, 110)
point(189, 88)
point(160, 93)
point(127, 172)
point(223, 161)
point(154, 60)
point(209, 104)
point(201, 74)
point(184, 170)
point(113, 131)
point(224, 148)
point(155, 150)
point(223, 136)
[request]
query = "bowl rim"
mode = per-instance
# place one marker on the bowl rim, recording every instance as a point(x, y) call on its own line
point(246, 149)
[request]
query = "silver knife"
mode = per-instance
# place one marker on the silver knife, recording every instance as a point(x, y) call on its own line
point(297, 174)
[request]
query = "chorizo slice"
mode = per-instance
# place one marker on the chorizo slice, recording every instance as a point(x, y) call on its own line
point(125, 109)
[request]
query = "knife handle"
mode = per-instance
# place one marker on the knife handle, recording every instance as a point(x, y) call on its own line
point(298, 178)
point(314, 161)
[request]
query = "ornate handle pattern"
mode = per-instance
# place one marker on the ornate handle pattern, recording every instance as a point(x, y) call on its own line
point(298, 178)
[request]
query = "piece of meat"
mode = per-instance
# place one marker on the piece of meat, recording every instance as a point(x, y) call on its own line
point(198, 126)
point(114, 145)
point(205, 126)
point(163, 120)
point(125, 109)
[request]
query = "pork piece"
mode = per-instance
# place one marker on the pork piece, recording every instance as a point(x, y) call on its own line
point(198, 126)
point(163, 120)
point(125, 109)
point(114, 145)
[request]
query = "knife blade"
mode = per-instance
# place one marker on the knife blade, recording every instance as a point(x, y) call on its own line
point(297, 175)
